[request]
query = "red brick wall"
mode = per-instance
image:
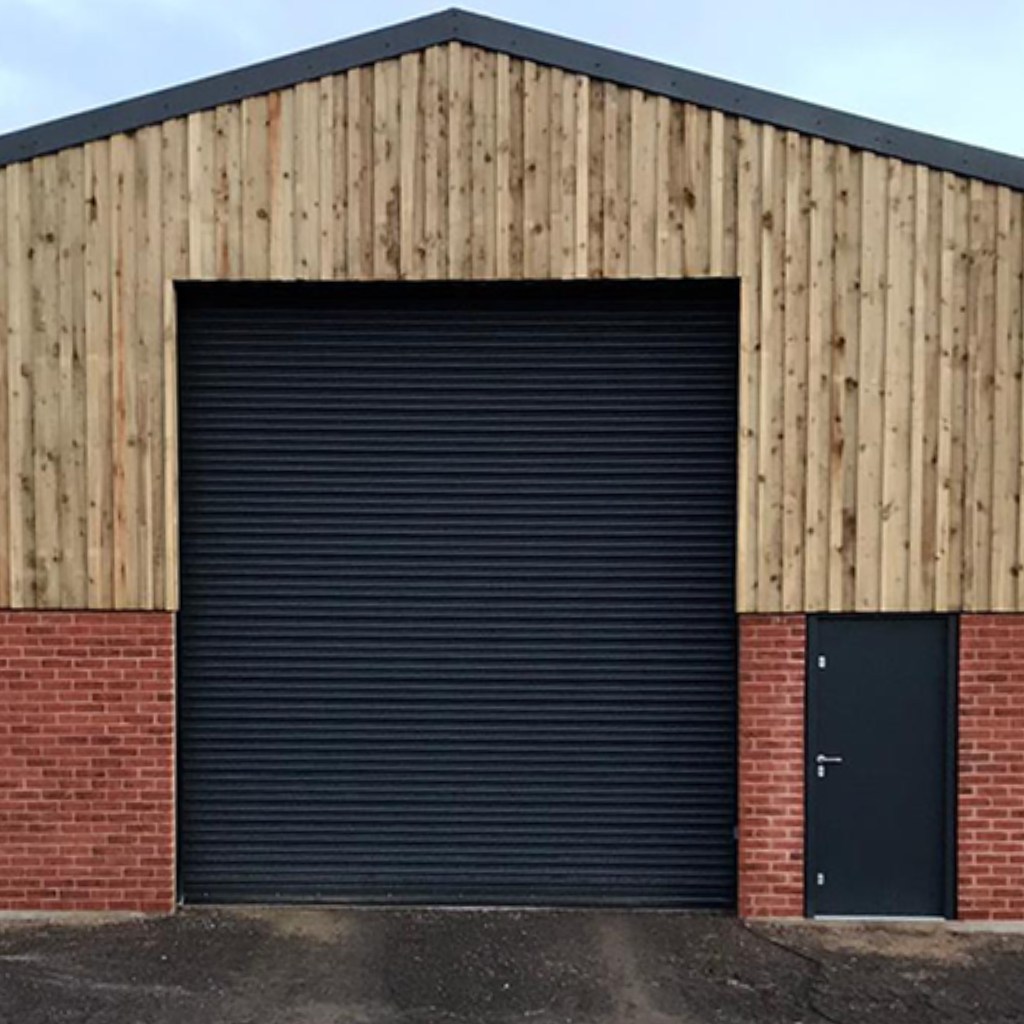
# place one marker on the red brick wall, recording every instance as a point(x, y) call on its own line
point(771, 765)
point(991, 777)
point(86, 761)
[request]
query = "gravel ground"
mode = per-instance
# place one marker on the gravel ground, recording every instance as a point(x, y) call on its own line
point(348, 966)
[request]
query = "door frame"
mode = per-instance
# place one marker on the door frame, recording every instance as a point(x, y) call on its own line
point(950, 768)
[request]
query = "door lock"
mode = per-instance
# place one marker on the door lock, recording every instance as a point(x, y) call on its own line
point(824, 759)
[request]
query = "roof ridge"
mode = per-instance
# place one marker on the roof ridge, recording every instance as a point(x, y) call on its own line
point(457, 25)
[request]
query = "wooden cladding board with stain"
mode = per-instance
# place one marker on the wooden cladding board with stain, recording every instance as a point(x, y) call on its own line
point(881, 460)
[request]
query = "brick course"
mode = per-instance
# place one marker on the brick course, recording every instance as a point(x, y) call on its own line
point(991, 768)
point(771, 765)
point(86, 761)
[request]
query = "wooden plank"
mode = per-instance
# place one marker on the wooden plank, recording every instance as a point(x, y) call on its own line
point(45, 341)
point(623, 171)
point(175, 199)
point(386, 176)
point(944, 449)
point(476, 144)
point(749, 229)
point(233, 140)
point(170, 382)
point(581, 215)
point(465, 155)
point(21, 374)
point(306, 181)
point(484, 186)
point(1006, 399)
point(612, 256)
point(327, 150)
point(958, 441)
point(871, 382)
point(819, 383)
point(845, 370)
point(771, 411)
point(595, 180)
point(537, 152)
point(730, 199)
point(696, 201)
point(662, 186)
point(503, 166)
point(794, 317)
point(221, 190)
point(281, 144)
point(1017, 328)
point(517, 168)
point(643, 143)
point(980, 405)
point(63, 393)
point(674, 258)
point(174, 213)
point(99, 394)
point(420, 186)
point(459, 163)
point(563, 252)
point(553, 176)
point(434, 156)
point(148, 358)
point(411, 179)
point(897, 362)
point(227, 191)
point(716, 197)
point(202, 198)
point(6, 480)
point(920, 589)
point(71, 285)
point(334, 179)
point(933, 357)
point(256, 187)
point(125, 409)
point(21, 378)
point(360, 84)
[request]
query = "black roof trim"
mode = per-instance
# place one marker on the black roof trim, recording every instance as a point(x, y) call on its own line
point(530, 44)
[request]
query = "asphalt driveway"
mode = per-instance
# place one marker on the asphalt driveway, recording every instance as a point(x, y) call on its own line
point(478, 967)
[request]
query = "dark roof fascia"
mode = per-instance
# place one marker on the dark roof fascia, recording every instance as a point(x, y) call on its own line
point(529, 44)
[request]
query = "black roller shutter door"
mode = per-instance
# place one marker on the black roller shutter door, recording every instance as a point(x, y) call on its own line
point(457, 593)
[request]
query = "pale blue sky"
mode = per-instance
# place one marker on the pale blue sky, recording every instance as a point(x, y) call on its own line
point(953, 69)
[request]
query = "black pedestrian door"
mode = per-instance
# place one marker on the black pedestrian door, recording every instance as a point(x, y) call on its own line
point(879, 767)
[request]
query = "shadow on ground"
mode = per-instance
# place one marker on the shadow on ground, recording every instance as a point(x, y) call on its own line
point(477, 967)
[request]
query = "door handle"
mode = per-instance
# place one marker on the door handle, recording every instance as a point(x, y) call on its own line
point(825, 759)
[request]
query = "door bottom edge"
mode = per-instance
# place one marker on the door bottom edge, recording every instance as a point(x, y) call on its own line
point(879, 919)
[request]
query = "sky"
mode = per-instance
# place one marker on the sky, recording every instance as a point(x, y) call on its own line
point(952, 69)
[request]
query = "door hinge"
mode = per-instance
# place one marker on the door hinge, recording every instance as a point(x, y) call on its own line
point(735, 833)
point(822, 661)
point(821, 878)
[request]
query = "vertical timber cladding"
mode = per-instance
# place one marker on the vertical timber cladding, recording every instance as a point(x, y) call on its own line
point(457, 595)
point(881, 407)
